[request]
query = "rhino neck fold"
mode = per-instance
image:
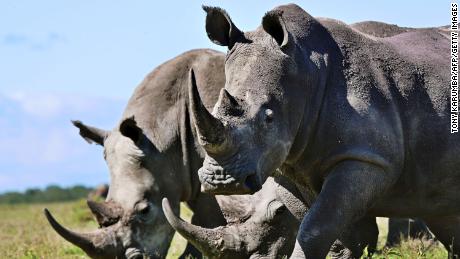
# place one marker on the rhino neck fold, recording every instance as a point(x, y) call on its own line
point(316, 89)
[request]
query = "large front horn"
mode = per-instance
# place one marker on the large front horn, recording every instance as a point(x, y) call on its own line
point(211, 131)
point(214, 243)
point(99, 244)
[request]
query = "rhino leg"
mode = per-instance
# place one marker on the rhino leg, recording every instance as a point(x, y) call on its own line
point(206, 213)
point(447, 231)
point(351, 244)
point(347, 193)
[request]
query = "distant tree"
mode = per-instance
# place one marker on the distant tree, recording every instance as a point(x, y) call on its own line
point(52, 193)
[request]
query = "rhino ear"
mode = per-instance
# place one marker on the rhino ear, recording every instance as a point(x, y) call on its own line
point(273, 24)
point(129, 129)
point(220, 27)
point(91, 134)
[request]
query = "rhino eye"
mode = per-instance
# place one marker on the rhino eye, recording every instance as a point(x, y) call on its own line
point(268, 115)
point(143, 208)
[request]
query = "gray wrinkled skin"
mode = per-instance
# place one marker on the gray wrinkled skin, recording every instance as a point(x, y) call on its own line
point(362, 121)
point(268, 230)
point(259, 226)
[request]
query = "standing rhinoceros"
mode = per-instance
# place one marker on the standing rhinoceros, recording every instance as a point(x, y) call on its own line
point(362, 121)
point(155, 155)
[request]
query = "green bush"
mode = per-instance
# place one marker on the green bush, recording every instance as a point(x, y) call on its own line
point(52, 193)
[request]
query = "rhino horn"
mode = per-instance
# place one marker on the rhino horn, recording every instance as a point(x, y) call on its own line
point(99, 244)
point(212, 242)
point(210, 130)
point(106, 213)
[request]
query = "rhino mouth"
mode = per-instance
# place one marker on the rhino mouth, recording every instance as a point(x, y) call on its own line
point(227, 184)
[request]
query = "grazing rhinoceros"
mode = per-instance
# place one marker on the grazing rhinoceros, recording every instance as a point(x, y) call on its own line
point(362, 121)
point(264, 225)
point(155, 155)
point(261, 228)
point(152, 154)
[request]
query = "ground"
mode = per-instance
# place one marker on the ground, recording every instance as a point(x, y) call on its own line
point(24, 233)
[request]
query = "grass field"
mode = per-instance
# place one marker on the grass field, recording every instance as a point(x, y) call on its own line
point(24, 233)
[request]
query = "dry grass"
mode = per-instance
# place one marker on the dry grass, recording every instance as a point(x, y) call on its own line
point(24, 233)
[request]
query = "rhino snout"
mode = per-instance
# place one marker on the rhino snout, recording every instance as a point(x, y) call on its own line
point(219, 184)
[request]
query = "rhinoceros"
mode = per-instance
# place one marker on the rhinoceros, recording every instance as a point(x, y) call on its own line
point(362, 121)
point(152, 154)
point(261, 228)
point(155, 155)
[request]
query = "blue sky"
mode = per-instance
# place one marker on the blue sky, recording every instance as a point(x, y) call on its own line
point(63, 60)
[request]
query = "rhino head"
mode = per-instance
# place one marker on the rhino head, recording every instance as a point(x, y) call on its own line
point(259, 226)
point(132, 224)
point(253, 125)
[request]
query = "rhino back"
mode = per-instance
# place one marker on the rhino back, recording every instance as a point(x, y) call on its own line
point(380, 29)
point(392, 98)
point(158, 101)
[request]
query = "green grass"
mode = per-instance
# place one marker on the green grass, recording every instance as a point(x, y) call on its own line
point(24, 233)
point(408, 249)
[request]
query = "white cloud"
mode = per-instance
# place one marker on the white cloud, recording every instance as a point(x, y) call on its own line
point(48, 105)
point(37, 136)
point(40, 105)
point(35, 42)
